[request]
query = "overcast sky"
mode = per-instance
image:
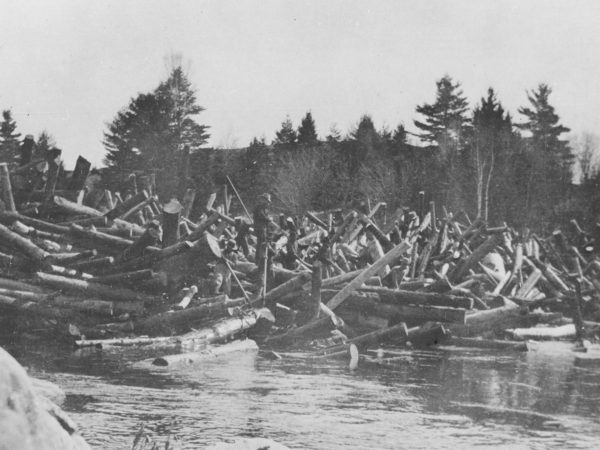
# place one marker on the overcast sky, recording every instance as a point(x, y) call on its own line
point(69, 66)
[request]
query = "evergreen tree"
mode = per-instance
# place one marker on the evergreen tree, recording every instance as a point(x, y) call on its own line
point(151, 133)
point(446, 126)
point(45, 142)
point(550, 156)
point(286, 135)
point(334, 135)
point(9, 138)
point(307, 133)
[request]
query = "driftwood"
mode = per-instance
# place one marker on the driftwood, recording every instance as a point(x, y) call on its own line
point(183, 360)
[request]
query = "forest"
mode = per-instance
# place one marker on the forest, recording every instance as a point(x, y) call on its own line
point(526, 169)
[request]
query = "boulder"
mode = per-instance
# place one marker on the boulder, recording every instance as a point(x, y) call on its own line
point(29, 420)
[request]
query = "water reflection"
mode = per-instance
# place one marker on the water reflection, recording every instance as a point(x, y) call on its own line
point(420, 399)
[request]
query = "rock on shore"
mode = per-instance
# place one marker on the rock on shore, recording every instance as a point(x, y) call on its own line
point(28, 419)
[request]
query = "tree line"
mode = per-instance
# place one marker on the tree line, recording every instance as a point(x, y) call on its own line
point(476, 159)
point(473, 158)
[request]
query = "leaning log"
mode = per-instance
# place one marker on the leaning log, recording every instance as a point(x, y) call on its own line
point(6, 188)
point(40, 257)
point(95, 239)
point(125, 206)
point(68, 207)
point(398, 331)
point(388, 258)
point(489, 320)
point(9, 217)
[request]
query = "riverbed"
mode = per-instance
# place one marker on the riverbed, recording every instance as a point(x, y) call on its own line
point(443, 398)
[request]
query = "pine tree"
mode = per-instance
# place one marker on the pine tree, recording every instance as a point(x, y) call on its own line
point(550, 157)
point(9, 138)
point(307, 133)
point(286, 135)
point(446, 126)
point(45, 142)
point(334, 135)
point(151, 133)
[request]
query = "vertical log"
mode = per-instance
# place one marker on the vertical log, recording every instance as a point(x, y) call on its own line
point(7, 195)
point(315, 291)
point(188, 202)
point(80, 174)
point(170, 222)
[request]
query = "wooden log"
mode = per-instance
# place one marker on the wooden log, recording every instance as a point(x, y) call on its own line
point(8, 218)
point(95, 289)
point(398, 296)
point(125, 278)
point(69, 273)
point(203, 226)
point(190, 359)
point(64, 206)
point(25, 295)
point(6, 283)
point(95, 239)
point(543, 333)
point(66, 301)
point(170, 222)
point(65, 259)
point(388, 258)
point(128, 215)
point(529, 284)
point(93, 264)
point(39, 256)
point(187, 298)
point(495, 319)
point(289, 286)
point(6, 188)
point(471, 261)
point(26, 230)
point(125, 206)
point(149, 260)
point(315, 291)
point(348, 220)
point(188, 202)
point(10, 263)
point(314, 219)
point(491, 344)
point(395, 332)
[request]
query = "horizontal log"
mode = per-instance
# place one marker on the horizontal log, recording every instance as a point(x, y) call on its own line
point(491, 344)
point(125, 278)
point(398, 296)
point(146, 261)
point(495, 319)
point(95, 289)
point(183, 360)
point(398, 331)
point(8, 218)
point(543, 333)
point(93, 264)
point(94, 239)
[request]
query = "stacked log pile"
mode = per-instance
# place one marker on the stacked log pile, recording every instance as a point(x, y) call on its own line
point(136, 270)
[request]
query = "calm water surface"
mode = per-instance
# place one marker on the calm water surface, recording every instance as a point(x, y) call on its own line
point(420, 399)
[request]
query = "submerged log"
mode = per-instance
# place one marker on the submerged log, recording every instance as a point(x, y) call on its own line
point(491, 344)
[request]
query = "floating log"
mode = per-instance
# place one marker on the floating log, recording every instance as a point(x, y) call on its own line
point(94, 289)
point(183, 360)
point(543, 333)
point(490, 344)
point(494, 319)
point(388, 258)
point(398, 331)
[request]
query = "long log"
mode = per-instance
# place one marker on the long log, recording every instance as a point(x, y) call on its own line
point(471, 261)
point(25, 246)
point(543, 333)
point(93, 264)
point(94, 289)
point(388, 258)
point(125, 278)
point(398, 296)
point(491, 344)
point(398, 331)
point(149, 260)
point(183, 360)
point(490, 320)
point(289, 286)
point(9, 217)
point(94, 239)
point(65, 206)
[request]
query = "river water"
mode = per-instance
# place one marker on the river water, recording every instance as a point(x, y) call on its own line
point(445, 398)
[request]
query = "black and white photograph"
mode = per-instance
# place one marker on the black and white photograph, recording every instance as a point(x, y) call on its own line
point(299, 224)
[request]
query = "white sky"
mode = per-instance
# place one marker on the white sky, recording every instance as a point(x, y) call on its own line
point(69, 66)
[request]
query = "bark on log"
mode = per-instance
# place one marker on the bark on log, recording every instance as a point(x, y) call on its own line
point(471, 261)
point(398, 331)
point(93, 264)
point(94, 289)
point(94, 239)
point(8, 218)
point(491, 344)
point(150, 260)
point(490, 320)
point(125, 278)
point(170, 222)
point(64, 206)
point(388, 258)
